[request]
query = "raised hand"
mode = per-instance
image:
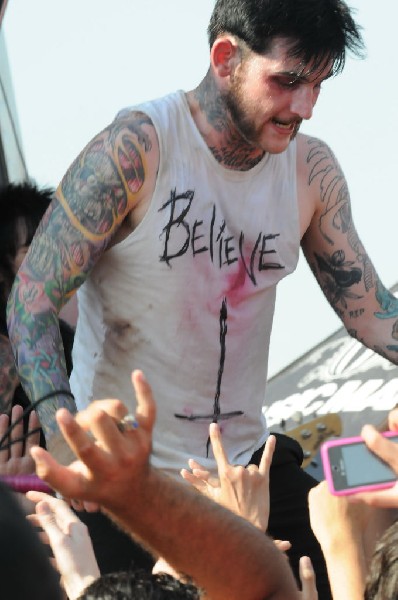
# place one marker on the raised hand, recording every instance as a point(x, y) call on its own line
point(340, 529)
point(244, 490)
point(109, 461)
point(15, 458)
point(69, 541)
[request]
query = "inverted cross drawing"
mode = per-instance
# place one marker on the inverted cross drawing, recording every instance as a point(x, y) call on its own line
point(217, 415)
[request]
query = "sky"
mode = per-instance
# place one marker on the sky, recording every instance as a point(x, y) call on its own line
point(75, 63)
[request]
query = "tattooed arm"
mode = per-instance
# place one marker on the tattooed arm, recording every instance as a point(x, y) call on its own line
point(337, 256)
point(93, 207)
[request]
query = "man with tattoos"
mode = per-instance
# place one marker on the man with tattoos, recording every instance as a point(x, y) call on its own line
point(177, 221)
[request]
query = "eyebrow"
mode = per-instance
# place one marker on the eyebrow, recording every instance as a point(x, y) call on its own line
point(301, 77)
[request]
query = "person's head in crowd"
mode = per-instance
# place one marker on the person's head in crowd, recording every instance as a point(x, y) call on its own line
point(382, 579)
point(22, 206)
point(139, 585)
point(25, 570)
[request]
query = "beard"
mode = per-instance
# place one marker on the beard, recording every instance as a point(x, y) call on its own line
point(240, 112)
point(245, 126)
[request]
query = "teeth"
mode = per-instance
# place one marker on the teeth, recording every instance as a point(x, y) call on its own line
point(284, 125)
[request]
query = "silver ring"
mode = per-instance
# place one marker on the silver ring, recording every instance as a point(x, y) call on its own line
point(128, 423)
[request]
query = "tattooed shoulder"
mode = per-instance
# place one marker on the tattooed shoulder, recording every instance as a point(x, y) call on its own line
point(110, 173)
point(134, 123)
point(320, 161)
point(325, 178)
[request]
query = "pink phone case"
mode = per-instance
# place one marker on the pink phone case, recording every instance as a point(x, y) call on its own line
point(328, 473)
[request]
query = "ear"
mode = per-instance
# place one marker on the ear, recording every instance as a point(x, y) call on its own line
point(225, 55)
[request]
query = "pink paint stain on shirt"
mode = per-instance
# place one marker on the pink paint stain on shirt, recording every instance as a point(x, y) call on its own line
point(237, 285)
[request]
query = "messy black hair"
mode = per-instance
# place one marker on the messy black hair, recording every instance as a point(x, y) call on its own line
point(319, 31)
point(139, 585)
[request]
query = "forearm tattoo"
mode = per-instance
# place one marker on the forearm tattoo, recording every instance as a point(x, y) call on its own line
point(337, 274)
point(347, 282)
point(92, 201)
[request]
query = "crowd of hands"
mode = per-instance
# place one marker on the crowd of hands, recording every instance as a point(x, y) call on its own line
point(109, 463)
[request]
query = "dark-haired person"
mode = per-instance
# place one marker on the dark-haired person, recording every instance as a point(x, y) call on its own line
point(139, 585)
point(179, 219)
point(22, 206)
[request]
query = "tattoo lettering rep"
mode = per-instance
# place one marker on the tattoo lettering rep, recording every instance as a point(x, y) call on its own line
point(354, 314)
point(214, 238)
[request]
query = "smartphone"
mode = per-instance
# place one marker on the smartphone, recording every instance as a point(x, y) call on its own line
point(350, 466)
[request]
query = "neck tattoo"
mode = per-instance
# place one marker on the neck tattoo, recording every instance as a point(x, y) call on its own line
point(231, 151)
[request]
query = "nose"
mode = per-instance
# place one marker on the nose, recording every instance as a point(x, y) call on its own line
point(303, 101)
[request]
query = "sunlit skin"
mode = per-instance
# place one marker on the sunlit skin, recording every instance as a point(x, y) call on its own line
point(270, 96)
point(256, 102)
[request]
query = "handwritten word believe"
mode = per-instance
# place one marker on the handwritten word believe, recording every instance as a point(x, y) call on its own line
point(220, 246)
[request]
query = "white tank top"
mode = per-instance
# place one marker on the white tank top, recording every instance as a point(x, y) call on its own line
point(188, 297)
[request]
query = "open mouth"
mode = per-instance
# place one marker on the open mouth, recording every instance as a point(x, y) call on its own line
point(289, 126)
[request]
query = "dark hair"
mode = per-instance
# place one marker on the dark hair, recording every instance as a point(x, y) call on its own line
point(382, 579)
point(139, 585)
point(22, 206)
point(320, 31)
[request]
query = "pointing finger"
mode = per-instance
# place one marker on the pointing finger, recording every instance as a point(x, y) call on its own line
point(268, 454)
point(218, 448)
point(146, 407)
